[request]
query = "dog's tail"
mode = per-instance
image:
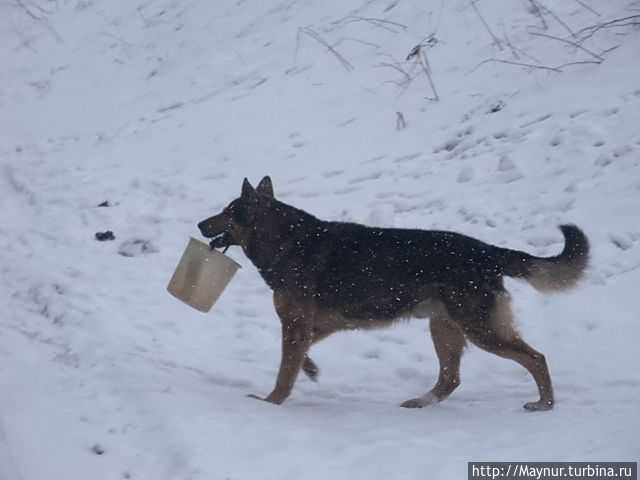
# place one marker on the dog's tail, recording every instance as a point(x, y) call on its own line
point(553, 274)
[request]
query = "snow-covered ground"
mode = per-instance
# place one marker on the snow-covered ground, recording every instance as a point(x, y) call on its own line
point(162, 108)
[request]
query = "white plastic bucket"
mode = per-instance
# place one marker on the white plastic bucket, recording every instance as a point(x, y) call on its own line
point(201, 276)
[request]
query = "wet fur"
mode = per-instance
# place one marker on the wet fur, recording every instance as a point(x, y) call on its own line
point(332, 276)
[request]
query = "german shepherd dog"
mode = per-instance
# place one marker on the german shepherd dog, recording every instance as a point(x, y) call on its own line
point(331, 276)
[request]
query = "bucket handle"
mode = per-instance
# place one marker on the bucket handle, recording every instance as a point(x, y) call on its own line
point(211, 247)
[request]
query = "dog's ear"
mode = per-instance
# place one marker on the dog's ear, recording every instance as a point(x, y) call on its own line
point(265, 187)
point(248, 192)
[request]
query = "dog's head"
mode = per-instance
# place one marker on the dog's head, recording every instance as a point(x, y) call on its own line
point(234, 224)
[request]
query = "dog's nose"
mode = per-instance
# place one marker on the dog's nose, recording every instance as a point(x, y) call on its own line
point(203, 227)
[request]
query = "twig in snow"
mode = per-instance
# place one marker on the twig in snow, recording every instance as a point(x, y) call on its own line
point(316, 36)
point(43, 11)
point(509, 44)
point(536, 60)
point(22, 37)
point(519, 64)
point(426, 43)
point(486, 25)
point(153, 20)
point(378, 22)
point(537, 11)
point(420, 60)
point(557, 18)
point(569, 42)
point(21, 5)
point(41, 19)
point(515, 51)
point(587, 7)
point(557, 69)
point(610, 49)
point(408, 75)
point(588, 32)
point(427, 71)
point(584, 62)
point(397, 67)
point(357, 40)
point(118, 39)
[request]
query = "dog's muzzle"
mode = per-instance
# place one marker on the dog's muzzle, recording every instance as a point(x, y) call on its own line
point(219, 239)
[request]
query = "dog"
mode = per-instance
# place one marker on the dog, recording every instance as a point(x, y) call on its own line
point(330, 276)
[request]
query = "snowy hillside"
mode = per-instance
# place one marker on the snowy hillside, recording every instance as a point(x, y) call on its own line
point(161, 109)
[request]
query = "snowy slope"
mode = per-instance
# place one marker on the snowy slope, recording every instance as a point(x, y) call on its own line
point(162, 108)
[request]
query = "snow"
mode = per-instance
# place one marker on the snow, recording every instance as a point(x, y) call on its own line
point(162, 108)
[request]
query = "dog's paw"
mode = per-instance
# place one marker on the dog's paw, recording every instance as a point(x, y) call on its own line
point(268, 399)
point(419, 402)
point(539, 406)
point(413, 403)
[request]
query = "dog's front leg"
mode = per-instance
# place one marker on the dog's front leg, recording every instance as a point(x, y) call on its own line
point(296, 340)
point(297, 316)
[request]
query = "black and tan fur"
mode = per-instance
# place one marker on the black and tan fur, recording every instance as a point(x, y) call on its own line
point(331, 276)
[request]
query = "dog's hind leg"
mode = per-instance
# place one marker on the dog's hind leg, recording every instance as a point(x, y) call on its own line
point(449, 343)
point(491, 329)
point(310, 368)
point(518, 350)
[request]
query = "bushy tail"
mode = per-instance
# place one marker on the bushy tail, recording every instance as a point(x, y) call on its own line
point(553, 274)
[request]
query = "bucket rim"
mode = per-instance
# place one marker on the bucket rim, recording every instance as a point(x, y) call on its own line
point(218, 252)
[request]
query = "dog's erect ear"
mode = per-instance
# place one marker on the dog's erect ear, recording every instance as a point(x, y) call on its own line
point(265, 187)
point(247, 190)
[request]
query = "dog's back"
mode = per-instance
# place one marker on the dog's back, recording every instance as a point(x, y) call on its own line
point(382, 273)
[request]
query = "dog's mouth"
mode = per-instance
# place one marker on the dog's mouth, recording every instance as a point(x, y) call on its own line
point(221, 240)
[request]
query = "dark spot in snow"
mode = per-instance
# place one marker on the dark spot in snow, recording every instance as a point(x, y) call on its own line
point(97, 449)
point(496, 107)
point(105, 236)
